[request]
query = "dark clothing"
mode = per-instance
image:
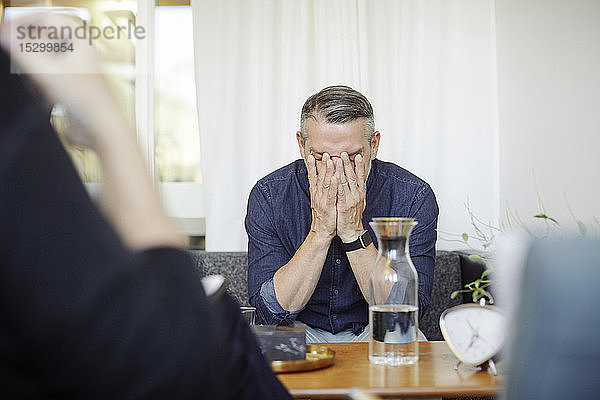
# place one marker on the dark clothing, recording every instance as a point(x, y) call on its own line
point(278, 221)
point(81, 315)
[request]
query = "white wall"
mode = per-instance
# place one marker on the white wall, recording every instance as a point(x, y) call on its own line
point(548, 57)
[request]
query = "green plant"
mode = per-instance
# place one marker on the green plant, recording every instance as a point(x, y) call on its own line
point(484, 234)
point(478, 286)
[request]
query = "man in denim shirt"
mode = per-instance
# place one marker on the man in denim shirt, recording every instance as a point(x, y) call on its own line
point(309, 241)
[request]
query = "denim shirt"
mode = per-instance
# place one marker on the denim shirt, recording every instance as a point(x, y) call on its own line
point(278, 220)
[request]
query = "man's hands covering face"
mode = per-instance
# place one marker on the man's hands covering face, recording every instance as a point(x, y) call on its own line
point(337, 194)
point(323, 190)
point(351, 196)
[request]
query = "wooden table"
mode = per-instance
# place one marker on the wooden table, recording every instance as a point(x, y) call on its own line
point(433, 376)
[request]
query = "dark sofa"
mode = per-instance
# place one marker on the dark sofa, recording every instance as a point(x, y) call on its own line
point(447, 278)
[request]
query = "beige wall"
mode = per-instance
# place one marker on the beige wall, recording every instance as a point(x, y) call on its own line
point(548, 60)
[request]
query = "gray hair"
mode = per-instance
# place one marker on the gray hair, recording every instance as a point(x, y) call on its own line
point(338, 105)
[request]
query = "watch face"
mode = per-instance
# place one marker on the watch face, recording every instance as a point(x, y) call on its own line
point(474, 333)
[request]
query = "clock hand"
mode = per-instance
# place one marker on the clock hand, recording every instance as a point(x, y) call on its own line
point(473, 338)
point(470, 326)
point(475, 332)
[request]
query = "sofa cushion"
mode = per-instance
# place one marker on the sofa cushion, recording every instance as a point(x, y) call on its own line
point(446, 279)
point(232, 265)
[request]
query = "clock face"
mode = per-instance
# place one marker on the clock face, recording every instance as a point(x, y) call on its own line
point(474, 333)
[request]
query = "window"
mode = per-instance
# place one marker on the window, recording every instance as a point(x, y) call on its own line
point(153, 80)
point(177, 147)
point(178, 144)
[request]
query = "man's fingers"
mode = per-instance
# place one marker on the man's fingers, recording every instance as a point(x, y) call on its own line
point(361, 172)
point(333, 190)
point(344, 193)
point(321, 166)
point(339, 170)
point(323, 195)
point(330, 169)
point(311, 166)
point(349, 170)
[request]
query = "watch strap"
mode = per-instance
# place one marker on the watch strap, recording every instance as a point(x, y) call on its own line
point(364, 239)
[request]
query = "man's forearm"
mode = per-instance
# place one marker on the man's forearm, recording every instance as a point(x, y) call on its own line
point(295, 282)
point(362, 262)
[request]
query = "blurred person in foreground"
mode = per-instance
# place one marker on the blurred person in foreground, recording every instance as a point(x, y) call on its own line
point(310, 250)
point(100, 302)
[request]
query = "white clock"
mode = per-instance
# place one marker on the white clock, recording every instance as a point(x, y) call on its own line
point(474, 333)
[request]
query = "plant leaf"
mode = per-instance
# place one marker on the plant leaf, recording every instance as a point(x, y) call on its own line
point(544, 216)
point(485, 273)
point(465, 237)
point(454, 294)
point(475, 257)
point(582, 227)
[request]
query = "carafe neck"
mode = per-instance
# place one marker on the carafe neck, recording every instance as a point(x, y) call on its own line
point(394, 247)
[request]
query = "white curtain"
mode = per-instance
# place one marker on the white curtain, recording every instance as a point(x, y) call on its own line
point(428, 67)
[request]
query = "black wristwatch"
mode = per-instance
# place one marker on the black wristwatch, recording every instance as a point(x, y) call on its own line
point(364, 239)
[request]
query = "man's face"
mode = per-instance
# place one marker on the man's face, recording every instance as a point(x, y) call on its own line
point(334, 139)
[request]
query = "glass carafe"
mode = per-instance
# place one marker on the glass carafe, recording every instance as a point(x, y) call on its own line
point(394, 298)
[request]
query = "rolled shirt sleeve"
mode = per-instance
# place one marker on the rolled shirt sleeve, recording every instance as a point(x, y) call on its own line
point(267, 295)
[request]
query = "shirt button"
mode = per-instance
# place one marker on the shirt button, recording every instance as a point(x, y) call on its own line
point(335, 291)
point(334, 317)
point(338, 261)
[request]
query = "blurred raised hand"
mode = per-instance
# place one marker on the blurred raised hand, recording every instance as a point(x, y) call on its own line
point(66, 70)
point(74, 79)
